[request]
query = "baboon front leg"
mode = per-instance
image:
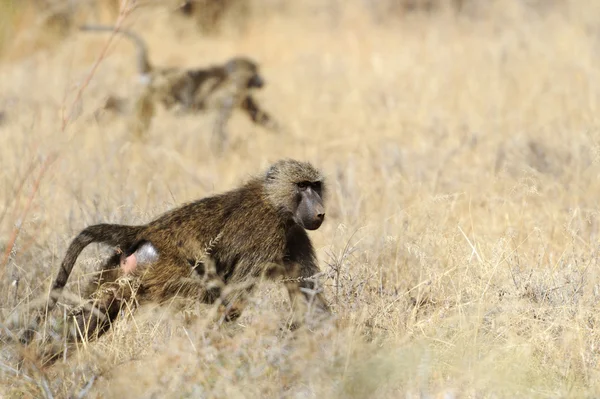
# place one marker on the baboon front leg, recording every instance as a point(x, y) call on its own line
point(310, 287)
point(258, 116)
point(289, 272)
point(301, 281)
point(299, 303)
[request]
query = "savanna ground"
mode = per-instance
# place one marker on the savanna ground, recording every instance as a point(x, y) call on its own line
point(461, 240)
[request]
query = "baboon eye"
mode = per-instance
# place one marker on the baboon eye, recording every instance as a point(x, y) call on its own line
point(303, 185)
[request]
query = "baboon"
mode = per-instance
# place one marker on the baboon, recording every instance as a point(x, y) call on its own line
point(224, 87)
point(257, 230)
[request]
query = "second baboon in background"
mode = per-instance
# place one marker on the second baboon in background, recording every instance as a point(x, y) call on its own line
point(225, 88)
point(200, 249)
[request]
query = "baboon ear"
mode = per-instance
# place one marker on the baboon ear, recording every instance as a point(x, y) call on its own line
point(272, 172)
point(230, 66)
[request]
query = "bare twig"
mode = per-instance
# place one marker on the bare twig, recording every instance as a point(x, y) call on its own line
point(126, 9)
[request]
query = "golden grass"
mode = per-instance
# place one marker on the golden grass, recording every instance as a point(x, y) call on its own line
point(461, 241)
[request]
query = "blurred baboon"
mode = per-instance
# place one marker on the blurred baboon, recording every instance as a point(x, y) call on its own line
point(225, 87)
point(257, 230)
point(210, 14)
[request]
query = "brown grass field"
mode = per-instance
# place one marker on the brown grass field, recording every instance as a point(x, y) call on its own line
point(461, 244)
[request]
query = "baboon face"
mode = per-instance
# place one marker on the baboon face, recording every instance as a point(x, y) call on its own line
point(256, 81)
point(310, 211)
point(298, 188)
point(242, 66)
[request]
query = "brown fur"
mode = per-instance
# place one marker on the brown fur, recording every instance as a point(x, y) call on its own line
point(225, 87)
point(254, 231)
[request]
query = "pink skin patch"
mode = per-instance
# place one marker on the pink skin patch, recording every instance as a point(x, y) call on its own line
point(129, 263)
point(144, 256)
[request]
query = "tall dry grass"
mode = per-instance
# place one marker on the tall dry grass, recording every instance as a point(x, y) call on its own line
point(461, 242)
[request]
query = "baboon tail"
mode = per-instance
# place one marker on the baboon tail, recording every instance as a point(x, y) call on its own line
point(110, 234)
point(144, 66)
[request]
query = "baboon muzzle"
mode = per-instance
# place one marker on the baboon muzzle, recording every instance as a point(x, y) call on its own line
point(317, 220)
point(256, 82)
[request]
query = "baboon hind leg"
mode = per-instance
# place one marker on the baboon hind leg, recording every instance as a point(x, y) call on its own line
point(94, 318)
point(108, 291)
point(143, 113)
point(107, 274)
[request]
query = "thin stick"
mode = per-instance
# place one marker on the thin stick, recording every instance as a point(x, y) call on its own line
point(124, 12)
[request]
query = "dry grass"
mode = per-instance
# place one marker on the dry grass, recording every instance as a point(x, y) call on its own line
point(462, 231)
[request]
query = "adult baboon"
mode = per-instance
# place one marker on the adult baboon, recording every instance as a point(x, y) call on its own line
point(257, 230)
point(223, 87)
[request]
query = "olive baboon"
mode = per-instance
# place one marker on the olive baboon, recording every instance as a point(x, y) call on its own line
point(257, 230)
point(223, 87)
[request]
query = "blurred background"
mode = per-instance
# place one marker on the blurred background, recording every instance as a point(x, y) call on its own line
point(461, 144)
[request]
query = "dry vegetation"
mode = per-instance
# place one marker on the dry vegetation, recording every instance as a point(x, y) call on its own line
point(461, 243)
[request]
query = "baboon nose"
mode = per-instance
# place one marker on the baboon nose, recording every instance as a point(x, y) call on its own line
point(314, 223)
point(257, 82)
